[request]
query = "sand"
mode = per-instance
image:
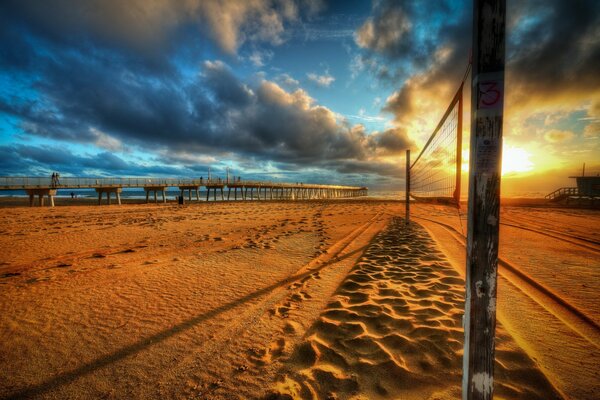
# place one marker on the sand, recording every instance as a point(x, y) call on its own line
point(548, 289)
point(394, 330)
point(322, 299)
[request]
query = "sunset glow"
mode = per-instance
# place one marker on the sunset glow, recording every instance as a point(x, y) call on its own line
point(516, 160)
point(299, 199)
point(331, 91)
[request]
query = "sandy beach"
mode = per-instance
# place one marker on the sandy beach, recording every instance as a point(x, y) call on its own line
point(313, 299)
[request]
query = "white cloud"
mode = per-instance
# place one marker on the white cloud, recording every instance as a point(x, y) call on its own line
point(106, 141)
point(322, 80)
point(287, 80)
point(260, 58)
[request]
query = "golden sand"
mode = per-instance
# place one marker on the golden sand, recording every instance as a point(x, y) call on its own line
point(275, 299)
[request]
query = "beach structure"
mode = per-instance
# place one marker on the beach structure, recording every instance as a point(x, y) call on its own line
point(587, 189)
point(154, 188)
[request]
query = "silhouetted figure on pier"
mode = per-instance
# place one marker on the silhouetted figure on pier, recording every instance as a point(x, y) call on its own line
point(54, 181)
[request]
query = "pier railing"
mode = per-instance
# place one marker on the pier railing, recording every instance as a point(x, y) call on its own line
point(91, 183)
point(16, 183)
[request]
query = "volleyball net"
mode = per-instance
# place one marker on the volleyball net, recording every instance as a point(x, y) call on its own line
point(434, 176)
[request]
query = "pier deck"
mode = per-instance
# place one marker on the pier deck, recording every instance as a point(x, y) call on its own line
point(249, 189)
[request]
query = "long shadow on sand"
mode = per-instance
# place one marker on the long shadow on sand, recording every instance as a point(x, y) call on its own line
point(393, 329)
point(68, 377)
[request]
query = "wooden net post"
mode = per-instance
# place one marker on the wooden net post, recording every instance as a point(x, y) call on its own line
point(459, 128)
point(407, 189)
point(487, 103)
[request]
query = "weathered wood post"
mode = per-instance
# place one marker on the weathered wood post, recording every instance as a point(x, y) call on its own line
point(407, 187)
point(487, 101)
point(459, 128)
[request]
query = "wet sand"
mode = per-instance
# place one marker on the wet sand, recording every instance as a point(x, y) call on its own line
point(237, 300)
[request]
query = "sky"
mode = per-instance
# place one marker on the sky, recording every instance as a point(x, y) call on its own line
point(287, 90)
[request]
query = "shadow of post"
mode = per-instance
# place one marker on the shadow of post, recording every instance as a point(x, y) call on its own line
point(70, 376)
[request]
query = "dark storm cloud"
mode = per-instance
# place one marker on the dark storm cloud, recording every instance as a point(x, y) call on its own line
point(553, 49)
point(85, 86)
point(410, 31)
point(554, 46)
point(393, 141)
point(89, 96)
point(426, 47)
point(150, 26)
point(395, 170)
point(17, 159)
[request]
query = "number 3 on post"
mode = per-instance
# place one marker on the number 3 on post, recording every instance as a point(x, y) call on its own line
point(491, 94)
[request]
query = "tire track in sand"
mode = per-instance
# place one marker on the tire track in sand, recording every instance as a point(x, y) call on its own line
point(573, 317)
point(562, 339)
point(588, 244)
point(244, 311)
point(271, 301)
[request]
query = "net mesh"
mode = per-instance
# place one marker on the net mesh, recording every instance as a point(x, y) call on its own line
point(435, 173)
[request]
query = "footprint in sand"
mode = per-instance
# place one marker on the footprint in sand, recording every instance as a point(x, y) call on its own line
point(282, 311)
point(385, 330)
point(298, 297)
point(393, 330)
point(267, 355)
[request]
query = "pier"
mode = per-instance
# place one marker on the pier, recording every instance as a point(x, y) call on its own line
point(156, 188)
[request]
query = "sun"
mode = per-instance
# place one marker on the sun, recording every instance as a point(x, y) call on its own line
point(515, 160)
